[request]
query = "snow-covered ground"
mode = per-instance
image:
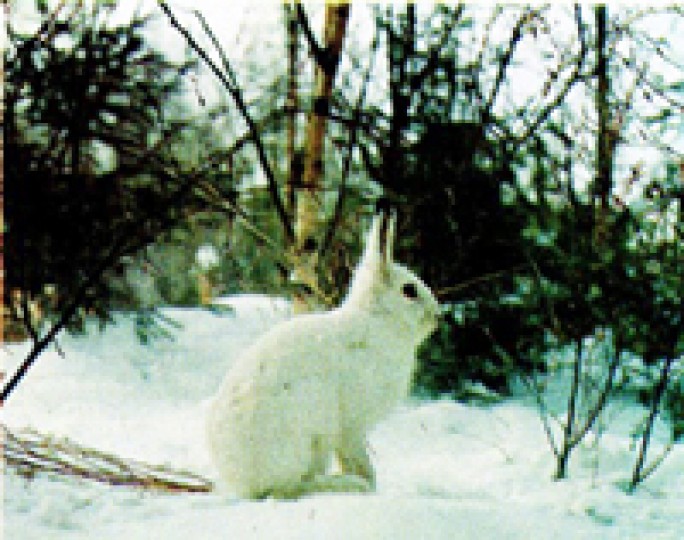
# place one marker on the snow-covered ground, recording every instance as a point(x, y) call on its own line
point(445, 470)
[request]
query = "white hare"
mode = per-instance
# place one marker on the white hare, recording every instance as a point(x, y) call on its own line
point(314, 385)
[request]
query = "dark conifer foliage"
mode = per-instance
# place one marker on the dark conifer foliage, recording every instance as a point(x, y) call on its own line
point(90, 171)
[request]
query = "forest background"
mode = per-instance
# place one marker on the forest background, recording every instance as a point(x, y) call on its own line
point(535, 155)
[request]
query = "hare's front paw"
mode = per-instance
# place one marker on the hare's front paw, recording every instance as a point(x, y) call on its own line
point(340, 483)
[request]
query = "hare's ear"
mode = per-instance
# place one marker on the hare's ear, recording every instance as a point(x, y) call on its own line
point(378, 253)
point(372, 248)
point(387, 234)
point(373, 253)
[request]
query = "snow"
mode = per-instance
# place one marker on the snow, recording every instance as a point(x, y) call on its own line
point(445, 470)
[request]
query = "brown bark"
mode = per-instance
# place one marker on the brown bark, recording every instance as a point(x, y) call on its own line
point(308, 204)
point(292, 104)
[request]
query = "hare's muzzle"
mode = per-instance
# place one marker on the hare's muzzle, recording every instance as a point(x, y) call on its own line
point(429, 321)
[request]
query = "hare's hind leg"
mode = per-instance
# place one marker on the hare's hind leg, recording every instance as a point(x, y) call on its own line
point(320, 450)
point(357, 474)
point(317, 479)
point(322, 482)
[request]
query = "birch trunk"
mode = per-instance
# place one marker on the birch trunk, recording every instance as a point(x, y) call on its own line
point(309, 196)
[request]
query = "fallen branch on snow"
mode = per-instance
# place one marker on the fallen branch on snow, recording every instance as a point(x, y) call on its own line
point(29, 453)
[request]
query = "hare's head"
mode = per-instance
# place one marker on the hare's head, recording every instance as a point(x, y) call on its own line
point(388, 289)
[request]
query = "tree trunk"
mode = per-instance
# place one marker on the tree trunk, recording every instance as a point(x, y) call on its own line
point(603, 141)
point(401, 48)
point(308, 201)
point(608, 130)
point(294, 164)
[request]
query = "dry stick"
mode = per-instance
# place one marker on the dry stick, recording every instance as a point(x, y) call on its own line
point(29, 453)
point(242, 108)
point(639, 474)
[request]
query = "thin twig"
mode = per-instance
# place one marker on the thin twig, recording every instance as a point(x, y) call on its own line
point(485, 277)
point(417, 79)
point(504, 62)
point(573, 79)
point(601, 402)
point(639, 473)
point(215, 42)
point(353, 136)
point(236, 94)
point(657, 462)
point(543, 412)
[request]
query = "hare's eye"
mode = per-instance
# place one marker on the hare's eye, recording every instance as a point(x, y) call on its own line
point(409, 290)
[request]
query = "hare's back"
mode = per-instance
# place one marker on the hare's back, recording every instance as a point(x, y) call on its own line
point(303, 347)
point(283, 380)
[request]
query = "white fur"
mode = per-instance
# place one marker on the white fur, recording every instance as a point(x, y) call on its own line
point(314, 385)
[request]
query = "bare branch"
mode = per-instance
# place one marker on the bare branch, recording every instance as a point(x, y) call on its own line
point(569, 426)
point(319, 54)
point(487, 32)
point(65, 317)
point(640, 472)
point(543, 412)
point(433, 56)
point(505, 60)
point(242, 108)
point(353, 135)
point(600, 403)
point(657, 462)
point(574, 78)
point(215, 42)
point(441, 293)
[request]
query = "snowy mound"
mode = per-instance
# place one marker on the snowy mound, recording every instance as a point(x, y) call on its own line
point(445, 470)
